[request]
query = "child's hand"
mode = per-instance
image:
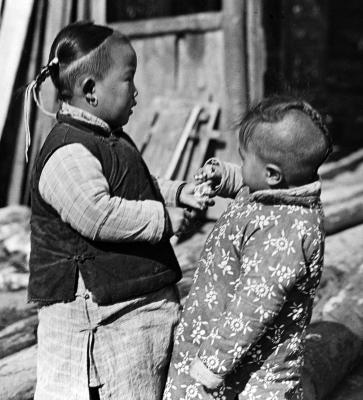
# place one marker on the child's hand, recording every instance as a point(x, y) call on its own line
point(181, 219)
point(208, 178)
point(190, 198)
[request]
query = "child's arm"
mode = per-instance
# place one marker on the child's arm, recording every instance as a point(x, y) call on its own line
point(223, 178)
point(72, 182)
point(181, 194)
point(268, 271)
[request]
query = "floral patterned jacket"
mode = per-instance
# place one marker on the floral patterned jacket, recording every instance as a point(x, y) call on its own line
point(245, 316)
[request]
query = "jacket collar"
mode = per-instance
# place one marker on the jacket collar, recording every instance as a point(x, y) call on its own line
point(69, 113)
point(306, 195)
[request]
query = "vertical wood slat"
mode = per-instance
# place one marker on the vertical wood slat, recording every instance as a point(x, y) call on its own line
point(235, 59)
point(155, 76)
point(14, 27)
point(200, 68)
point(58, 15)
point(18, 168)
point(256, 51)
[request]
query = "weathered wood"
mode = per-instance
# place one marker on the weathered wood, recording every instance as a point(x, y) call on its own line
point(14, 27)
point(200, 71)
point(344, 215)
point(256, 52)
point(235, 58)
point(58, 15)
point(155, 77)
point(332, 169)
point(186, 133)
point(172, 116)
point(18, 336)
point(19, 168)
point(201, 22)
point(18, 375)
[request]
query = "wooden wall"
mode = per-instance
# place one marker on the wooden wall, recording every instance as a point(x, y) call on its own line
point(216, 56)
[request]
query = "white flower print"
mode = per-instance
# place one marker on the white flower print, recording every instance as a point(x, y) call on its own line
point(221, 234)
point(179, 333)
point(295, 342)
point(207, 261)
point(249, 264)
point(194, 306)
point(213, 362)
point(276, 334)
point(297, 311)
point(259, 288)
point(281, 244)
point(265, 313)
point(270, 376)
point(225, 264)
point(214, 335)
point(198, 332)
point(237, 324)
point(250, 392)
point(260, 221)
point(183, 365)
point(236, 238)
point(191, 392)
point(283, 273)
point(273, 395)
point(249, 209)
point(255, 353)
point(168, 388)
point(301, 227)
point(210, 295)
point(237, 352)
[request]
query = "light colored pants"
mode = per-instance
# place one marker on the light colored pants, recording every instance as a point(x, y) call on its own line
point(123, 349)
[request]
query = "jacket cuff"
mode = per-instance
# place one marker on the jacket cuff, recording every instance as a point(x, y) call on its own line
point(199, 372)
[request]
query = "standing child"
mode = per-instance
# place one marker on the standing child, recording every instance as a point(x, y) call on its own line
point(101, 267)
point(243, 323)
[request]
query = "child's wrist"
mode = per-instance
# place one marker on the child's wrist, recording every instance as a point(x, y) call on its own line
point(178, 193)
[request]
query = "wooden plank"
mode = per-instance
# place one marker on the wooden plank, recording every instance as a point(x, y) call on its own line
point(332, 169)
point(18, 375)
point(155, 77)
point(14, 28)
point(196, 76)
point(201, 22)
point(18, 336)
point(235, 59)
point(58, 15)
point(172, 117)
point(98, 11)
point(15, 190)
point(186, 133)
point(256, 51)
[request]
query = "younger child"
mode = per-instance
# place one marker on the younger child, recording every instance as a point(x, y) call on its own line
point(243, 323)
point(101, 266)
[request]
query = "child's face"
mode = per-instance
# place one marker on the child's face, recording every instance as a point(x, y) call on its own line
point(253, 169)
point(116, 92)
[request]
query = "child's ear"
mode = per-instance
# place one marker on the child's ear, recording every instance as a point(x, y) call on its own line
point(274, 175)
point(88, 87)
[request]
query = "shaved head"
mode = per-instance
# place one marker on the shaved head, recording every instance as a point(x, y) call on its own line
point(289, 134)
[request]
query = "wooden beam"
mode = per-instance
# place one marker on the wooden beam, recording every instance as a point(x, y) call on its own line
point(202, 22)
point(14, 28)
point(235, 59)
point(256, 51)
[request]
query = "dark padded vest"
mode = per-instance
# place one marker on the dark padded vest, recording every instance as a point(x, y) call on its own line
point(112, 271)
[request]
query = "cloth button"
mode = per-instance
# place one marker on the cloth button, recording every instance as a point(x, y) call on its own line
point(86, 296)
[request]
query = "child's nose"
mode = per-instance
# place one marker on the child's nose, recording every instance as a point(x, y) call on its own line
point(136, 92)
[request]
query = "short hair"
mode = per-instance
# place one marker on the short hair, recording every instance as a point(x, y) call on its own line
point(300, 146)
point(81, 48)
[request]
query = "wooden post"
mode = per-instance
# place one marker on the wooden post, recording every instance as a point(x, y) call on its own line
point(235, 60)
point(256, 52)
